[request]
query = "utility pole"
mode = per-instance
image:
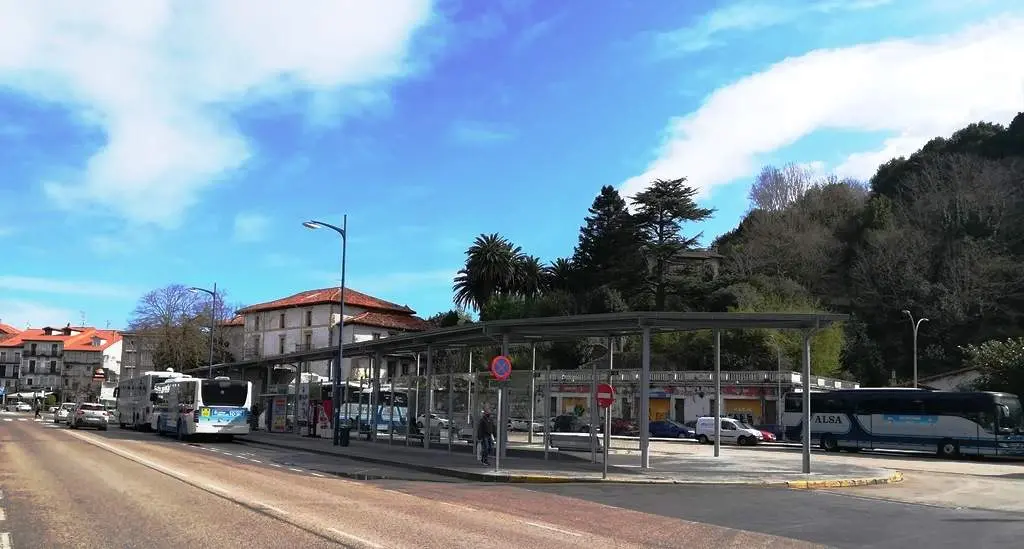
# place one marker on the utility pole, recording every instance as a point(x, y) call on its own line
point(914, 326)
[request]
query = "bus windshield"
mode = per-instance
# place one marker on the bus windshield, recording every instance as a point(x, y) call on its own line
point(1013, 420)
point(224, 393)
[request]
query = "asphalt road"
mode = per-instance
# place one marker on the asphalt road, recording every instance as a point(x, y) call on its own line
point(64, 488)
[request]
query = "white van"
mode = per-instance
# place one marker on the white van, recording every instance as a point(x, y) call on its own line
point(733, 431)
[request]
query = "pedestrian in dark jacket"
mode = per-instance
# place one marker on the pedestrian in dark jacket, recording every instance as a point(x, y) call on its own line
point(485, 434)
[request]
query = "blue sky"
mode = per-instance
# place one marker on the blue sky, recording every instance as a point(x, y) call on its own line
point(150, 145)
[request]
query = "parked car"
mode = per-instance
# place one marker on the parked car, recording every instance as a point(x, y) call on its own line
point(667, 428)
point(63, 412)
point(732, 430)
point(89, 414)
point(767, 436)
point(568, 423)
point(625, 427)
point(22, 407)
point(520, 424)
point(436, 422)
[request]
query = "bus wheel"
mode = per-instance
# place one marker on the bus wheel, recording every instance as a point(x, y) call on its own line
point(949, 449)
point(829, 444)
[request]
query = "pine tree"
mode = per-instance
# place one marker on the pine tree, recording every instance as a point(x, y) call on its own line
point(661, 211)
point(607, 253)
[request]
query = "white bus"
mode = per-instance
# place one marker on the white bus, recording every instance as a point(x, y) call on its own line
point(134, 405)
point(192, 406)
point(949, 424)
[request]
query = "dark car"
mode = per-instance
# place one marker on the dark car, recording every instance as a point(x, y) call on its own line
point(667, 428)
point(625, 427)
point(568, 423)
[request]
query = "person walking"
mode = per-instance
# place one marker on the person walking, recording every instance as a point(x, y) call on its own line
point(485, 434)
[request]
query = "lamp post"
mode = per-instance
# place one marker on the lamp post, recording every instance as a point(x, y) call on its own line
point(336, 374)
point(213, 318)
point(915, 325)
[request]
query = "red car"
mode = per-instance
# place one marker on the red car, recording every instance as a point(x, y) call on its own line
point(768, 435)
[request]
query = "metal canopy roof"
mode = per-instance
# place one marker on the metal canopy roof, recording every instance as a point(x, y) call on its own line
point(555, 328)
point(530, 330)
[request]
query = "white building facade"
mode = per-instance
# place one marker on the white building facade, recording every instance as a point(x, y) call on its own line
point(309, 320)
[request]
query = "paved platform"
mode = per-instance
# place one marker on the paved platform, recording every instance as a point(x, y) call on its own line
point(737, 469)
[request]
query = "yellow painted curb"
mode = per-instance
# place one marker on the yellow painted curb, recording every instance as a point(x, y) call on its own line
point(896, 476)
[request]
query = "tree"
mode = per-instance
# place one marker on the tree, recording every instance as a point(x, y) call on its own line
point(608, 252)
point(493, 268)
point(180, 319)
point(661, 211)
point(776, 189)
point(1000, 363)
point(448, 319)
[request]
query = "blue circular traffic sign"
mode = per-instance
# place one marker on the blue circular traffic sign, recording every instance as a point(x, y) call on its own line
point(501, 367)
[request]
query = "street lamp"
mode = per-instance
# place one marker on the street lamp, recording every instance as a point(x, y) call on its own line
point(915, 325)
point(213, 318)
point(336, 374)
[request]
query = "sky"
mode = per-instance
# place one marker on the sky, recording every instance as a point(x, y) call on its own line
point(151, 143)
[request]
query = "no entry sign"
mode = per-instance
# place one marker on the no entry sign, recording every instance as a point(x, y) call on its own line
point(501, 367)
point(605, 395)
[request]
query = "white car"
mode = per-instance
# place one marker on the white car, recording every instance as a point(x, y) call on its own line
point(64, 412)
point(733, 431)
point(22, 407)
point(519, 424)
point(436, 422)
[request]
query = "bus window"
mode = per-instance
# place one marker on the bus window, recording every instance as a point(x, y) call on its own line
point(224, 393)
point(794, 402)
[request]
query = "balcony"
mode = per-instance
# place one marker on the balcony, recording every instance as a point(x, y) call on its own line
point(303, 347)
point(44, 353)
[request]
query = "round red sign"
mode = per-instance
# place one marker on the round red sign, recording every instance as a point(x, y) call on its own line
point(605, 395)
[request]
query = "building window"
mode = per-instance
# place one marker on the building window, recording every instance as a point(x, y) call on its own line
point(280, 321)
point(31, 367)
point(309, 318)
point(53, 349)
point(3, 370)
point(309, 341)
point(53, 366)
point(405, 368)
point(33, 349)
point(280, 345)
point(3, 356)
point(256, 322)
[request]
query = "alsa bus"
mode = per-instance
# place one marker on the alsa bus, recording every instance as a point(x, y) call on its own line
point(193, 406)
point(134, 405)
point(947, 423)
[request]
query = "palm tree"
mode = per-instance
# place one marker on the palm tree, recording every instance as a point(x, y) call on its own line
point(529, 278)
point(492, 265)
point(561, 275)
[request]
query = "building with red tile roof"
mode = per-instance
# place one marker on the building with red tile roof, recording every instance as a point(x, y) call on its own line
point(64, 360)
point(307, 320)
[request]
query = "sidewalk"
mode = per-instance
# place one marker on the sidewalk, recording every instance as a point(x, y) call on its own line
point(725, 470)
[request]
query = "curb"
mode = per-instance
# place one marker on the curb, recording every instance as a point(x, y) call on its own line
point(515, 478)
point(894, 477)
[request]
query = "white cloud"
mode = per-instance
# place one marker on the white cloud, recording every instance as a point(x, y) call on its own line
point(250, 227)
point(16, 283)
point(22, 314)
point(748, 15)
point(912, 90)
point(162, 79)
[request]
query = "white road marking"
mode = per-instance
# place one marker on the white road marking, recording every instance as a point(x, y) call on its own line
point(8, 419)
point(354, 538)
point(275, 465)
point(255, 460)
point(457, 506)
point(228, 454)
point(22, 419)
point(3, 514)
point(272, 508)
point(316, 474)
point(5, 540)
point(294, 469)
point(552, 528)
point(1, 495)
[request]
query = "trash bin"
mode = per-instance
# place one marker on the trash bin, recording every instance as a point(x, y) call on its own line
point(343, 437)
